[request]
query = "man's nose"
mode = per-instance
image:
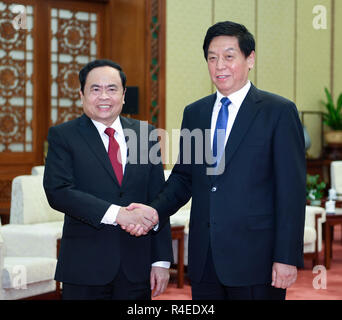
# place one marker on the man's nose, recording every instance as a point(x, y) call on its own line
point(220, 63)
point(104, 94)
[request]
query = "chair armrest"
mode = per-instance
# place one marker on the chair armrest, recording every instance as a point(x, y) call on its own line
point(310, 235)
point(35, 240)
point(315, 217)
point(310, 213)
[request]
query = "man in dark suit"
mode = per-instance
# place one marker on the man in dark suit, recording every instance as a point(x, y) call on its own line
point(247, 213)
point(98, 260)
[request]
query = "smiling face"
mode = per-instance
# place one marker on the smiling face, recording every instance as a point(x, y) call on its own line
point(228, 67)
point(104, 95)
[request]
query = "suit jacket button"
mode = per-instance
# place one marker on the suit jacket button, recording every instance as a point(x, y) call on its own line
point(208, 224)
point(121, 194)
point(213, 189)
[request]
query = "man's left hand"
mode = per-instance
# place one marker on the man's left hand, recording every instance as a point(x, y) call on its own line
point(283, 275)
point(159, 279)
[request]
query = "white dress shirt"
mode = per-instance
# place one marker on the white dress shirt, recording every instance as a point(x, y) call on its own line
point(110, 215)
point(236, 99)
point(112, 212)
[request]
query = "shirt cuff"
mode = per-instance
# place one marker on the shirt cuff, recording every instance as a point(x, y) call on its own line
point(111, 214)
point(163, 264)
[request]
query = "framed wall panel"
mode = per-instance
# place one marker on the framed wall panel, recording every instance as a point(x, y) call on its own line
point(337, 49)
point(313, 56)
point(276, 47)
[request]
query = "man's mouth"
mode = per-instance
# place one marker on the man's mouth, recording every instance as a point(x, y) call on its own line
point(104, 107)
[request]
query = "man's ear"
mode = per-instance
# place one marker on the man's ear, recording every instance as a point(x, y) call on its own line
point(251, 60)
point(123, 96)
point(81, 96)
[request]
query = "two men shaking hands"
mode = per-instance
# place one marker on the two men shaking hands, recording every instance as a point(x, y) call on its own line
point(137, 219)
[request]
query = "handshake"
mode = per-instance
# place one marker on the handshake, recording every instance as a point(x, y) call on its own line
point(137, 219)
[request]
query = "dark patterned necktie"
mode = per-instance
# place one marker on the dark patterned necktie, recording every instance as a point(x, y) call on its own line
point(114, 154)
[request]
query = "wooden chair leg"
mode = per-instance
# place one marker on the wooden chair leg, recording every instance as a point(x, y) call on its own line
point(58, 284)
point(177, 233)
point(181, 261)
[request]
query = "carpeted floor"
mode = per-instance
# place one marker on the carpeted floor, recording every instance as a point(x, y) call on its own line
point(309, 285)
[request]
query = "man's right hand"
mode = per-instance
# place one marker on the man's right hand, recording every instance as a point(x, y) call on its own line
point(137, 219)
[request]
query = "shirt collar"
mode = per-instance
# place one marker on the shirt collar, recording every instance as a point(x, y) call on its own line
point(236, 97)
point(116, 125)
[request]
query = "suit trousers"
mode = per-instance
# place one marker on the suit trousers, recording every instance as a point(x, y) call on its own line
point(210, 288)
point(118, 289)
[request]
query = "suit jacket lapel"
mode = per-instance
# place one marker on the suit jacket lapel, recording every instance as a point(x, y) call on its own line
point(206, 112)
point(91, 135)
point(205, 125)
point(129, 167)
point(248, 110)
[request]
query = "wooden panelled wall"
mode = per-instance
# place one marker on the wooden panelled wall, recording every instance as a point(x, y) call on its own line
point(39, 62)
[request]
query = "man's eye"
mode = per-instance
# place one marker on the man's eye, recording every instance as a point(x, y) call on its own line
point(111, 90)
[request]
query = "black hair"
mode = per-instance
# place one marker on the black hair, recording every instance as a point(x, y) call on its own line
point(100, 63)
point(229, 28)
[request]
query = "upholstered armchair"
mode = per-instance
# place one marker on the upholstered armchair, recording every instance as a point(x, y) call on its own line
point(29, 204)
point(314, 218)
point(31, 215)
point(27, 262)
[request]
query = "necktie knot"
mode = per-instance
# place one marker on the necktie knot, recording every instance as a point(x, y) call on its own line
point(225, 102)
point(109, 132)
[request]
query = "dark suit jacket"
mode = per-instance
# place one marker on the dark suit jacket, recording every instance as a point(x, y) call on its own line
point(79, 181)
point(253, 214)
